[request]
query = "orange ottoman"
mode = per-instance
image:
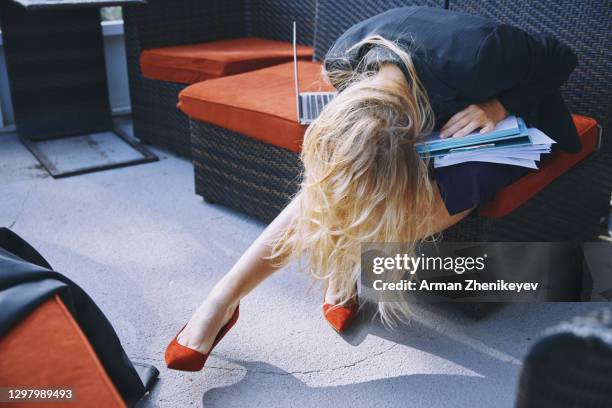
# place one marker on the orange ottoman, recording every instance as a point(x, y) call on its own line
point(260, 104)
point(48, 350)
point(191, 63)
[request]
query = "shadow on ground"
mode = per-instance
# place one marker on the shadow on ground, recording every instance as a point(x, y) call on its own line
point(495, 364)
point(265, 385)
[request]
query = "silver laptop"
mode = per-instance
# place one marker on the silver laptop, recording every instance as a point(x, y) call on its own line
point(308, 104)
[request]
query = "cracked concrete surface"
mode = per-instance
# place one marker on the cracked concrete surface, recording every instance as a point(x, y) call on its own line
point(147, 249)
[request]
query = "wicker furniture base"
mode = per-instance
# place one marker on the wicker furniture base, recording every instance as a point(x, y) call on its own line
point(570, 366)
point(259, 179)
point(242, 173)
point(156, 118)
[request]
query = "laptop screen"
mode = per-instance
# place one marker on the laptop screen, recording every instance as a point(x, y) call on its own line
point(295, 73)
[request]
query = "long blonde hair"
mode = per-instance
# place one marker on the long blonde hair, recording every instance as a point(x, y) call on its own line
point(363, 180)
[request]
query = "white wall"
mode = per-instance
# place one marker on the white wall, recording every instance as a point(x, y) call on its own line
point(116, 66)
point(116, 71)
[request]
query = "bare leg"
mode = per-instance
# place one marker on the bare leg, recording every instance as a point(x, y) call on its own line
point(333, 293)
point(250, 270)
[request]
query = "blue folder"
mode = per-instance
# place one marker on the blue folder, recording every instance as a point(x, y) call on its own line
point(433, 146)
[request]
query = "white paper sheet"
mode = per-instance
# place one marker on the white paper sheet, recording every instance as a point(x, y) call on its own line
point(524, 156)
point(531, 164)
point(538, 137)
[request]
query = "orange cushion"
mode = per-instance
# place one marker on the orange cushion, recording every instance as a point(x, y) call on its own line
point(259, 104)
point(187, 64)
point(46, 350)
point(551, 167)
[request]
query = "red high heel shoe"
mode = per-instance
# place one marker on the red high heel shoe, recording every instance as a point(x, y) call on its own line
point(340, 317)
point(179, 357)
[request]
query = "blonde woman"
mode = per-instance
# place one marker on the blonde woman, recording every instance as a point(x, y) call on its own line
point(399, 75)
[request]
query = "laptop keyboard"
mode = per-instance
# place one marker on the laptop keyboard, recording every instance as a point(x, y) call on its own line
point(313, 103)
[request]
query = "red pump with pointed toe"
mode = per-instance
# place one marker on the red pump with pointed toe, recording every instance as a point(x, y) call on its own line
point(340, 317)
point(179, 357)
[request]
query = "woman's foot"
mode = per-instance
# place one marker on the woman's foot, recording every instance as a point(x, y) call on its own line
point(202, 329)
point(339, 316)
point(193, 357)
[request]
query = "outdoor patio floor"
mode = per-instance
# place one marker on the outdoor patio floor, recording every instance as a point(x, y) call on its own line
point(147, 249)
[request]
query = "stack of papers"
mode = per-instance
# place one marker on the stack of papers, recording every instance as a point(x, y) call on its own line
point(524, 156)
point(511, 142)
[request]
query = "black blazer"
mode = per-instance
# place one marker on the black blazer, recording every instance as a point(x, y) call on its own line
point(464, 59)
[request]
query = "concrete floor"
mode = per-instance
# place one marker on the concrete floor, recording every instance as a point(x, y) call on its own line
point(147, 249)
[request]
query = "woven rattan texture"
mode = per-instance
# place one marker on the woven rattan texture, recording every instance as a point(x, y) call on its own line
point(156, 118)
point(162, 23)
point(571, 366)
point(242, 173)
point(273, 19)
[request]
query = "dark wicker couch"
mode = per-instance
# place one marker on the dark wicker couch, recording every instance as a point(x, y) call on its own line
point(162, 23)
point(258, 179)
point(575, 205)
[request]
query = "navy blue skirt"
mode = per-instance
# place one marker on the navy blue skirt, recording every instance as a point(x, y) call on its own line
point(472, 184)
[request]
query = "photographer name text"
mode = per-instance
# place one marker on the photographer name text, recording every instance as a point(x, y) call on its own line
point(467, 285)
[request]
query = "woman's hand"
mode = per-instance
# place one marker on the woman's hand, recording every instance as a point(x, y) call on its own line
point(483, 115)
